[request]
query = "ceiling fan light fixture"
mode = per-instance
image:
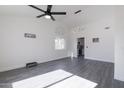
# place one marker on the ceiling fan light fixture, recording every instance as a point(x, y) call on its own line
point(47, 16)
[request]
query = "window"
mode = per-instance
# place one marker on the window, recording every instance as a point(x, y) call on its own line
point(59, 43)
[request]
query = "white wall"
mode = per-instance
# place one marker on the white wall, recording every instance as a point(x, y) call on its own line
point(16, 50)
point(119, 43)
point(104, 50)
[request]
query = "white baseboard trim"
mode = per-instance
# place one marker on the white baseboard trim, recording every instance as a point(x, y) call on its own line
point(108, 61)
point(7, 68)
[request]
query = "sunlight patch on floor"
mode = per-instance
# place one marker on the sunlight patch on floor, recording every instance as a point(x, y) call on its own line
point(57, 79)
point(43, 80)
point(75, 82)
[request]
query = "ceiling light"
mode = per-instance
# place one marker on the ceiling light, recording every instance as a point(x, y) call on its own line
point(47, 16)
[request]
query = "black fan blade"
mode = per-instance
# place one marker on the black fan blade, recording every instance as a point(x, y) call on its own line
point(41, 15)
point(58, 13)
point(49, 7)
point(36, 8)
point(52, 18)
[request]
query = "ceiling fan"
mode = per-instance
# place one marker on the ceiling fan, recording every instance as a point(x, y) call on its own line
point(48, 14)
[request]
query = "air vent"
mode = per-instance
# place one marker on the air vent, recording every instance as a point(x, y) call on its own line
point(78, 11)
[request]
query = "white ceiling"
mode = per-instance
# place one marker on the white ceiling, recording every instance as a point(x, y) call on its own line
point(89, 12)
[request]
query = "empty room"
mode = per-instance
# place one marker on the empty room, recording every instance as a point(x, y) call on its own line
point(61, 46)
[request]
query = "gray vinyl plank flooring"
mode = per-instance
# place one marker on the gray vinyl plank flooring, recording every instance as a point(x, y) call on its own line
point(96, 71)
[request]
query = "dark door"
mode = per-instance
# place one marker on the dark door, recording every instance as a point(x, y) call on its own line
point(80, 47)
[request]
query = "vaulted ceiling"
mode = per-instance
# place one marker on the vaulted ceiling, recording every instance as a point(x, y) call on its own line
point(89, 12)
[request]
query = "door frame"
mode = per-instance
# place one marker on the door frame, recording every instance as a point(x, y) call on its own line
point(76, 46)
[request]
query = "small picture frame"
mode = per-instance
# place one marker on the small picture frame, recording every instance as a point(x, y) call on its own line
point(29, 35)
point(95, 40)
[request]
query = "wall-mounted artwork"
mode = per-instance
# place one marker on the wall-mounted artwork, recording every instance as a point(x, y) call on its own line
point(95, 40)
point(29, 35)
point(107, 27)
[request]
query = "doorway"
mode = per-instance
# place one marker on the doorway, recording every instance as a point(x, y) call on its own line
point(80, 47)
